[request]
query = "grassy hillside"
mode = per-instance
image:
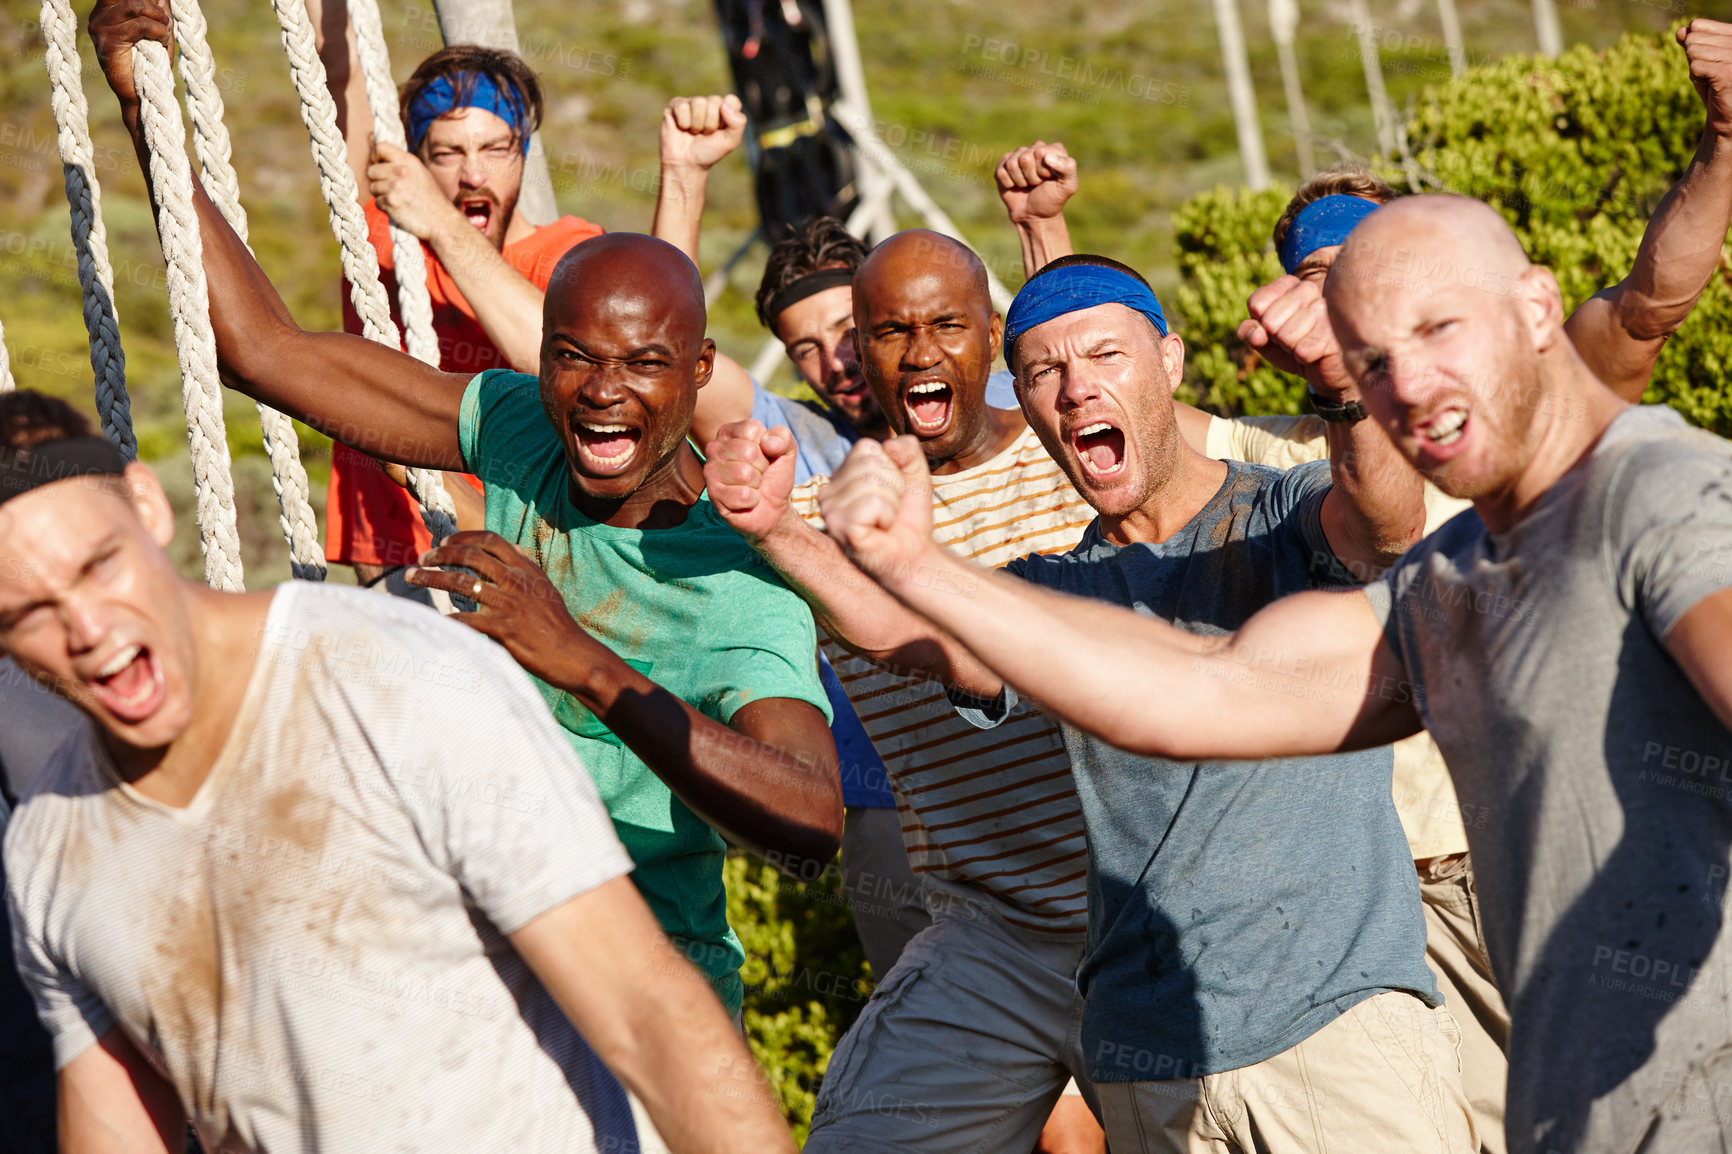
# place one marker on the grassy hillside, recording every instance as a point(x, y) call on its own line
point(1133, 90)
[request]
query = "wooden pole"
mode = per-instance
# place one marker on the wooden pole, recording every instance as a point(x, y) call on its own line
point(1284, 24)
point(1452, 37)
point(1240, 94)
point(1551, 36)
point(1382, 112)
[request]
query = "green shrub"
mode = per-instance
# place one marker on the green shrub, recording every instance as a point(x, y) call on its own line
point(1576, 154)
point(806, 976)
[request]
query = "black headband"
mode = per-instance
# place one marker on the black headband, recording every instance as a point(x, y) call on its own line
point(809, 285)
point(22, 470)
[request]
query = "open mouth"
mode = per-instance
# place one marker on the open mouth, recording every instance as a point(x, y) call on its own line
point(1444, 434)
point(129, 684)
point(477, 212)
point(930, 405)
point(606, 448)
point(1101, 449)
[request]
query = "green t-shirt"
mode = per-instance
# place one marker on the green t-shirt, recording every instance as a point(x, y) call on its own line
point(692, 608)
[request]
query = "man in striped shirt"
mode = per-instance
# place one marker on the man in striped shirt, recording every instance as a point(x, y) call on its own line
point(971, 1039)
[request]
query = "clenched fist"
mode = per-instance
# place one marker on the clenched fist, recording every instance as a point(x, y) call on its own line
point(698, 131)
point(1035, 181)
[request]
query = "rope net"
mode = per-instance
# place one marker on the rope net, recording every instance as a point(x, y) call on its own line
point(189, 304)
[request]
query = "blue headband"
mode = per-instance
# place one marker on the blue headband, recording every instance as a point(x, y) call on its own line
point(1073, 288)
point(441, 97)
point(1322, 223)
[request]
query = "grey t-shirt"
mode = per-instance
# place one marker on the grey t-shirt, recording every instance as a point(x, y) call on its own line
point(1235, 907)
point(1538, 662)
point(33, 723)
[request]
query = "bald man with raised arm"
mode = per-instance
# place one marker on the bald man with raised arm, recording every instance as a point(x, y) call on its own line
point(681, 669)
point(1568, 643)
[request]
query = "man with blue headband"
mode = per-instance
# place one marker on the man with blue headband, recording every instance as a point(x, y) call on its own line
point(468, 114)
point(1227, 1004)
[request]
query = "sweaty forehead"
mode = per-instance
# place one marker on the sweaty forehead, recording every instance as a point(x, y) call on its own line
point(627, 293)
point(915, 275)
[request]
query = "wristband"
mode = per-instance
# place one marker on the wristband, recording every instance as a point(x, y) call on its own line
point(1337, 412)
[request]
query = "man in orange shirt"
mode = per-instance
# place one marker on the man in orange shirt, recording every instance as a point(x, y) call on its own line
point(468, 114)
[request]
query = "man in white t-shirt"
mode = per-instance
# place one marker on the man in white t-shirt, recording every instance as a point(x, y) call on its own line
point(324, 874)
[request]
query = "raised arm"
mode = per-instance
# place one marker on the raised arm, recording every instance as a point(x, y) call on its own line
point(697, 133)
point(113, 1102)
point(506, 305)
point(1376, 508)
point(648, 1014)
point(1034, 182)
point(335, 39)
point(767, 781)
point(1308, 674)
point(1620, 331)
point(750, 474)
point(372, 398)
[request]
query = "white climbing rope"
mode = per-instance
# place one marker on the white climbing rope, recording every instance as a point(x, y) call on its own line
point(414, 303)
point(89, 236)
point(211, 144)
point(189, 307)
point(360, 262)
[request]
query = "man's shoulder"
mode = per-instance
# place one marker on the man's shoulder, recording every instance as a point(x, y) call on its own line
point(536, 255)
point(1651, 445)
point(360, 639)
point(42, 820)
point(504, 430)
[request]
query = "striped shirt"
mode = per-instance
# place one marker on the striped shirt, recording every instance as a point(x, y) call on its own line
point(994, 810)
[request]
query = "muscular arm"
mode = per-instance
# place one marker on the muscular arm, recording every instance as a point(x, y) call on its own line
point(1621, 330)
point(1376, 507)
point(112, 1102)
point(1034, 182)
point(1309, 674)
point(696, 134)
point(1375, 510)
point(1701, 643)
point(749, 474)
point(375, 399)
point(767, 781)
point(648, 1014)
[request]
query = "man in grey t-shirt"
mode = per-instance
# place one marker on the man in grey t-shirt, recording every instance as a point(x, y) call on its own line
point(1568, 642)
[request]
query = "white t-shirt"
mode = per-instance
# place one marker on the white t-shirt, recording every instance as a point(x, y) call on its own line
point(312, 950)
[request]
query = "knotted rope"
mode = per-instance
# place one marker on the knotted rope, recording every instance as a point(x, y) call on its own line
point(89, 236)
point(360, 262)
point(211, 143)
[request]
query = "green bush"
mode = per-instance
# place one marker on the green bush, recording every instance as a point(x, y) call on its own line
point(806, 976)
point(1576, 153)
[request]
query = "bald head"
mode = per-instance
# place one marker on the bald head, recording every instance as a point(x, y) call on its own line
point(927, 336)
point(627, 275)
point(1456, 341)
point(1421, 245)
point(623, 354)
point(921, 253)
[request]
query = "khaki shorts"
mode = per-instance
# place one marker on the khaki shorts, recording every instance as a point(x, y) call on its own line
point(1455, 951)
point(1383, 1077)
